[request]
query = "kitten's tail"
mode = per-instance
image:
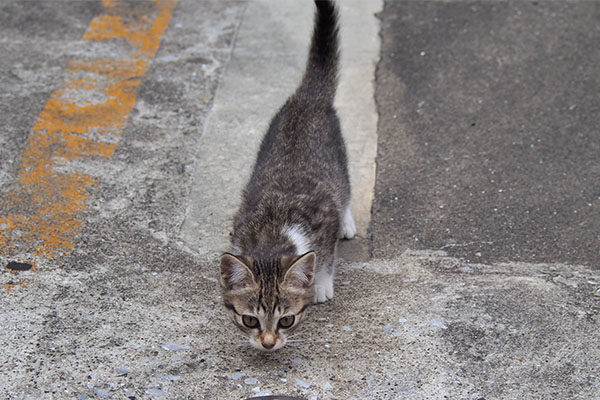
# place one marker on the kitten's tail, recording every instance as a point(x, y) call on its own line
point(320, 77)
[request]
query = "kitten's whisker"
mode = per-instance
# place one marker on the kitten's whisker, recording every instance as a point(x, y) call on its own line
point(293, 336)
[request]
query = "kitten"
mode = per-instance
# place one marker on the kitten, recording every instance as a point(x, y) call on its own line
point(295, 206)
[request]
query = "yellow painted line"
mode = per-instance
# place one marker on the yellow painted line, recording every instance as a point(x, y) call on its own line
point(83, 119)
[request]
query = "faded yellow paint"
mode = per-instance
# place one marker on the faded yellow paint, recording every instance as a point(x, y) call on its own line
point(24, 284)
point(142, 32)
point(41, 216)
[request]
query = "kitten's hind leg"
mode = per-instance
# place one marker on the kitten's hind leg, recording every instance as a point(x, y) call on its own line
point(324, 285)
point(348, 227)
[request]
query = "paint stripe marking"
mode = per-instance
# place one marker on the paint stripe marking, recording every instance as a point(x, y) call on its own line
point(83, 119)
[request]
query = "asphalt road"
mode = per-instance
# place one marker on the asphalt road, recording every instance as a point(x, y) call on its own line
point(488, 132)
point(129, 129)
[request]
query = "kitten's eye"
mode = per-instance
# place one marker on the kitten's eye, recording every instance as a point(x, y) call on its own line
point(250, 321)
point(287, 322)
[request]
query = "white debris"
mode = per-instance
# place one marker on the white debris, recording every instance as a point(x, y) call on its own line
point(437, 323)
point(122, 371)
point(327, 386)
point(237, 375)
point(346, 328)
point(251, 381)
point(174, 347)
point(167, 377)
point(302, 383)
point(105, 394)
point(156, 392)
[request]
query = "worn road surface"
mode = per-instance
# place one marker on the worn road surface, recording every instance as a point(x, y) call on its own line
point(129, 129)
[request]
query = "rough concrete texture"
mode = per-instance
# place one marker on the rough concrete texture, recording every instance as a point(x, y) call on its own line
point(133, 311)
point(441, 328)
point(488, 135)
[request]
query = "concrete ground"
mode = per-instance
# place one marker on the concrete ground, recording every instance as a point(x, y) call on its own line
point(129, 130)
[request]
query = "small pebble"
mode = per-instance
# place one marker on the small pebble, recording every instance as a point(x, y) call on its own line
point(302, 383)
point(105, 394)
point(346, 328)
point(237, 375)
point(18, 266)
point(251, 381)
point(327, 386)
point(156, 392)
point(265, 392)
point(437, 324)
point(296, 361)
point(174, 347)
point(167, 377)
point(388, 328)
point(402, 320)
point(122, 371)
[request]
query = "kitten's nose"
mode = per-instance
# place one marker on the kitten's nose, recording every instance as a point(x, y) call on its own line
point(268, 340)
point(268, 346)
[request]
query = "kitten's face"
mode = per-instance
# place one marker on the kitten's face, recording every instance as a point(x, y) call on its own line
point(267, 299)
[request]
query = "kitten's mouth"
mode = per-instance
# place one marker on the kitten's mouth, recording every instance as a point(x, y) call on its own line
point(267, 348)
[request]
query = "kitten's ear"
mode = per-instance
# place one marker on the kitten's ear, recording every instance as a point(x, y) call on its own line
point(301, 273)
point(235, 272)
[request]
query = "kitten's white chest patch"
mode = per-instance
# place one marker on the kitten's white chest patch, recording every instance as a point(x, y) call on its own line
point(296, 235)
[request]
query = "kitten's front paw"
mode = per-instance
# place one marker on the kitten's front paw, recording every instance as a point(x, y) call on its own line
point(348, 229)
point(323, 293)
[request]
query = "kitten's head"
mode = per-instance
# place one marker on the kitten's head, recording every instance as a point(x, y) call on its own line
point(267, 298)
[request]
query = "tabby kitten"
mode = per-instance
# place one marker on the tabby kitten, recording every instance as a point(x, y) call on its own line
point(295, 206)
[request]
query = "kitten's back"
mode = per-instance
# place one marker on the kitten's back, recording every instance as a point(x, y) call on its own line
point(300, 176)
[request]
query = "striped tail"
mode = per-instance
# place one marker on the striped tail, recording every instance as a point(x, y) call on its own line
point(321, 75)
